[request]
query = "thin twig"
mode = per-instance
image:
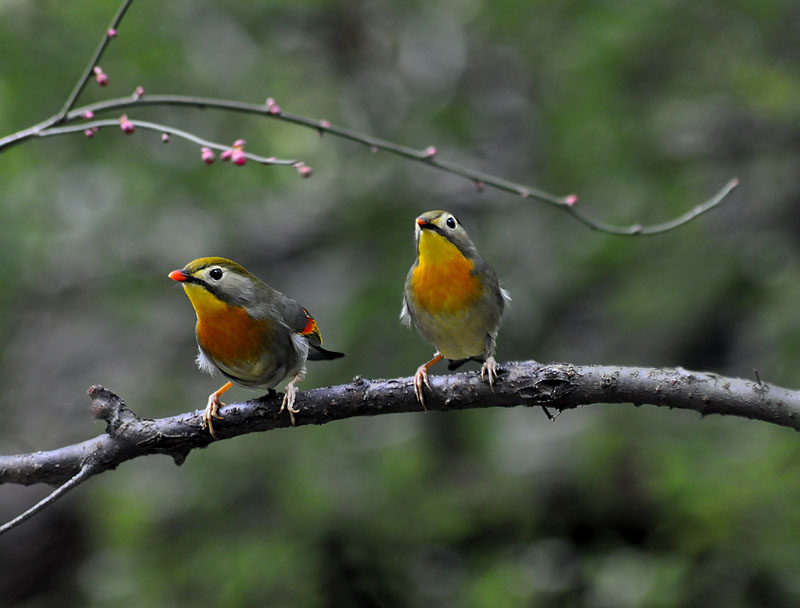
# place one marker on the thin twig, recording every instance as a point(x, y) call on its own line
point(425, 155)
point(87, 73)
point(161, 128)
point(638, 229)
point(82, 475)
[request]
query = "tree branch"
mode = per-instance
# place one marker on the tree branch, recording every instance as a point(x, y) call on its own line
point(270, 109)
point(428, 156)
point(161, 128)
point(524, 383)
point(82, 475)
point(87, 73)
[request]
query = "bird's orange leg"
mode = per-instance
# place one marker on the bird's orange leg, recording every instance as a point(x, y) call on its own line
point(290, 394)
point(212, 408)
point(422, 376)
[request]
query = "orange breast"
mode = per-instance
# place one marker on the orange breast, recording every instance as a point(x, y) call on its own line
point(226, 333)
point(231, 336)
point(443, 281)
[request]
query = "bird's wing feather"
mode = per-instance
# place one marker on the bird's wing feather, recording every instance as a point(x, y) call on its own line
point(405, 314)
point(297, 319)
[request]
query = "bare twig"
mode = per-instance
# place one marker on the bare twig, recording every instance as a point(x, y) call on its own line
point(427, 155)
point(82, 475)
point(87, 73)
point(161, 128)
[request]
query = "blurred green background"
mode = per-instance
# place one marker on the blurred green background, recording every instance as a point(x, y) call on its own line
point(642, 108)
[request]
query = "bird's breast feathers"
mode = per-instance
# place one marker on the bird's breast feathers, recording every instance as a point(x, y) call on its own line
point(443, 279)
point(227, 334)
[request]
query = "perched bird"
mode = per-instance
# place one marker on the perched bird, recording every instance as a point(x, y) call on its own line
point(453, 298)
point(256, 336)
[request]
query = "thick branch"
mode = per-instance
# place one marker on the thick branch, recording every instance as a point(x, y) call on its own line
point(521, 383)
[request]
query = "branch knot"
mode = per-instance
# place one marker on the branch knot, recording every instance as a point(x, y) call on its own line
point(109, 407)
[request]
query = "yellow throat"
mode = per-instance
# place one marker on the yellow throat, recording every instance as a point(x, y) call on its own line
point(443, 280)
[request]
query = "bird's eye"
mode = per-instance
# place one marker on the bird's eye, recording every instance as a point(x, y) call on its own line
point(216, 273)
point(451, 223)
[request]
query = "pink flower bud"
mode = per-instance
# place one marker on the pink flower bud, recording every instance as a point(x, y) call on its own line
point(430, 152)
point(207, 155)
point(272, 107)
point(88, 115)
point(138, 92)
point(89, 133)
point(226, 155)
point(238, 157)
point(324, 124)
point(239, 143)
point(304, 171)
point(101, 78)
point(165, 138)
point(571, 200)
point(125, 124)
point(112, 33)
point(373, 149)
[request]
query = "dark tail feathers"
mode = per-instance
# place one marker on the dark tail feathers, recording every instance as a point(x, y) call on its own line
point(317, 353)
point(456, 363)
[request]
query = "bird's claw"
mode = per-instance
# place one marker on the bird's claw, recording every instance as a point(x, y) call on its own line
point(489, 368)
point(419, 378)
point(288, 401)
point(212, 409)
point(211, 412)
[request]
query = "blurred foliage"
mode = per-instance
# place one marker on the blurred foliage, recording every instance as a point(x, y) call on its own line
point(643, 109)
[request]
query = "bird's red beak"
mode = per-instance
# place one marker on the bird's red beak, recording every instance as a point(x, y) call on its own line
point(421, 221)
point(178, 275)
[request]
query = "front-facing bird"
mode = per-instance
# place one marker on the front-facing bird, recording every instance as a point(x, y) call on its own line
point(256, 336)
point(453, 297)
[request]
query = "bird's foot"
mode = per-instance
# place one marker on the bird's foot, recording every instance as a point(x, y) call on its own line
point(289, 397)
point(212, 409)
point(420, 378)
point(489, 369)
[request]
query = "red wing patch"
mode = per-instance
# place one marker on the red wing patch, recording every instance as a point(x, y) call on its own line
point(311, 328)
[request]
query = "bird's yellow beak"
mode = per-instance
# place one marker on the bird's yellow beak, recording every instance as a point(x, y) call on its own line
point(178, 275)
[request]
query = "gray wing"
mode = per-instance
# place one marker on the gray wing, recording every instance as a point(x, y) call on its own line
point(296, 318)
point(497, 295)
point(405, 311)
